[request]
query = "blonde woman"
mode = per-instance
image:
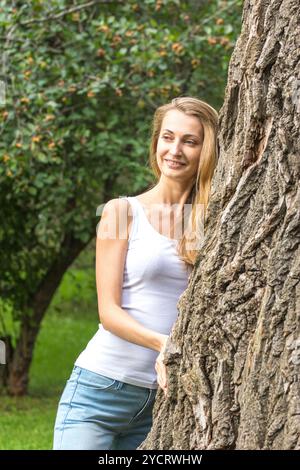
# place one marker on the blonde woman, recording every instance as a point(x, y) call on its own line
point(146, 247)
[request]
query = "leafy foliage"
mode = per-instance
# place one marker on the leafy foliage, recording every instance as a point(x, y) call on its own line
point(82, 82)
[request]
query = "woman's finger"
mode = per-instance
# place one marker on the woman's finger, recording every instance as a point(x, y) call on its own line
point(161, 371)
point(162, 376)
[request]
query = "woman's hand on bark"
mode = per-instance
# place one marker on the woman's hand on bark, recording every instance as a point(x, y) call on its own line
point(160, 366)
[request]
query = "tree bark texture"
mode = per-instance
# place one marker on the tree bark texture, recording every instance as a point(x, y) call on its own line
point(233, 357)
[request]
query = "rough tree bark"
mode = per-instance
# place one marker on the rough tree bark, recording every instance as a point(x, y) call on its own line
point(234, 354)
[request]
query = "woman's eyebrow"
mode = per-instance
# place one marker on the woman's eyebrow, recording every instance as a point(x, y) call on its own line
point(185, 135)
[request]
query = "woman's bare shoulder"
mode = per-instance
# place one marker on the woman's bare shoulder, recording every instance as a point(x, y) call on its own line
point(118, 214)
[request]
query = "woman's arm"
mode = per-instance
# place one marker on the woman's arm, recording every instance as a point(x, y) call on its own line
point(111, 249)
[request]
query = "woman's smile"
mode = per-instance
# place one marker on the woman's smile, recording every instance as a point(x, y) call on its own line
point(174, 164)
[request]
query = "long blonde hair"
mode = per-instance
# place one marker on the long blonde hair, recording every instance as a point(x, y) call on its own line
point(200, 193)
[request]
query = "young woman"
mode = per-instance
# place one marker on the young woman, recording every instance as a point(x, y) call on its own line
point(145, 251)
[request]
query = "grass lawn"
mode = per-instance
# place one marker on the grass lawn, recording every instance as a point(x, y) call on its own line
point(27, 423)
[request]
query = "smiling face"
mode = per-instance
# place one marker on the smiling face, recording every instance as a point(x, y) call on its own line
point(179, 145)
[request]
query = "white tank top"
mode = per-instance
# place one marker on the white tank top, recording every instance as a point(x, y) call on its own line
point(154, 278)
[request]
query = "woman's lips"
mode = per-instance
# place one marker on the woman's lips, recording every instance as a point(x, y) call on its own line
point(173, 164)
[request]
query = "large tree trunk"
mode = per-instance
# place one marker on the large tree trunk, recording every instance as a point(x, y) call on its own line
point(234, 353)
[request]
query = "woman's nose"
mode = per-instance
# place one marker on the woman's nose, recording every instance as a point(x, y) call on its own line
point(175, 148)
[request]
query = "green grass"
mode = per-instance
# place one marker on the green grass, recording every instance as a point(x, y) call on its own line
point(58, 345)
point(27, 422)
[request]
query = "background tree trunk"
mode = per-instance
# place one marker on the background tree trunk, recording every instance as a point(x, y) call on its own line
point(16, 372)
point(14, 376)
point(234, 353)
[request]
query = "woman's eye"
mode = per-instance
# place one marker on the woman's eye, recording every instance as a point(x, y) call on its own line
point(189, 142)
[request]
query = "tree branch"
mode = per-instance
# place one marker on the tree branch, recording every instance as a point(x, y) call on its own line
point(70, 10)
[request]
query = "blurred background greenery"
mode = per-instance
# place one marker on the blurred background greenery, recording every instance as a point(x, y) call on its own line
point(81, 84)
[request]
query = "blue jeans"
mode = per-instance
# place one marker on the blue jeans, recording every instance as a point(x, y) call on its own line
point(96, 412)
